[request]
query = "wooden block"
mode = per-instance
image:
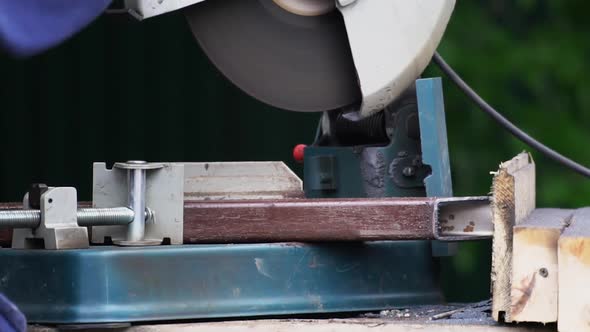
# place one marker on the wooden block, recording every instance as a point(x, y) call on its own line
point(513, 199)
point(534, 266)
point(574, 274)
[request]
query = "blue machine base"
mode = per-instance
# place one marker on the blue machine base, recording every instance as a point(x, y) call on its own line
point(114, 284)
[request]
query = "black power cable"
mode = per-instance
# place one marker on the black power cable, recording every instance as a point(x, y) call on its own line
point(514, 130)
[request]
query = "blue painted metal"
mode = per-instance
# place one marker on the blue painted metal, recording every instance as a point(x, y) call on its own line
point(370, 171)
point(367, 171)
point(433, 135)
point(435, 150)
point(113, 284)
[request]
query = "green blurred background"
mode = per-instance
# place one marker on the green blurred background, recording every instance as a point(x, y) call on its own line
point(123, 90)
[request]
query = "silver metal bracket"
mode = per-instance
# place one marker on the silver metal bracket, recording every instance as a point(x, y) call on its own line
point(58, 228)
point(163, 196)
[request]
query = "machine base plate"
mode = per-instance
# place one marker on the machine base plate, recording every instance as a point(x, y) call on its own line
point(128, 284)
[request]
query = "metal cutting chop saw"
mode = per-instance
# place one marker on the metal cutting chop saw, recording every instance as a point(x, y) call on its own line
point(164, 241)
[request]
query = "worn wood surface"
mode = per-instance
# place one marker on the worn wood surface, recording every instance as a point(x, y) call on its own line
point(534, 266)
point(574, 274)
point(513, 199)
point(322, 325)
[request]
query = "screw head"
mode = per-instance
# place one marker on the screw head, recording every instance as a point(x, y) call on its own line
point(409, 171)
point(543, 272)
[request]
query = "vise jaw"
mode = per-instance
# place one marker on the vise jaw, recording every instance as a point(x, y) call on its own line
point(58, 228)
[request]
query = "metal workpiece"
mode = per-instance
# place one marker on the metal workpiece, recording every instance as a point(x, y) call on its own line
point(461, 219)
point(320, 220)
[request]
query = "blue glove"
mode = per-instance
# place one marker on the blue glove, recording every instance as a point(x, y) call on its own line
point(28, 27)
point(11, 319)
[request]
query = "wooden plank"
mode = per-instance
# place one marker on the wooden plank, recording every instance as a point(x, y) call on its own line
point(513, 199)
point(322, 325)
point(574, 274)
point(534, 266)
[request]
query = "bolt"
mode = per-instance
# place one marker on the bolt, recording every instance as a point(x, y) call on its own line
point(409, 171)
point(136, 200)
point(136, 184)
point(543, 272)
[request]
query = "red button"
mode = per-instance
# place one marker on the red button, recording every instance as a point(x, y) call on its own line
point(298, 152)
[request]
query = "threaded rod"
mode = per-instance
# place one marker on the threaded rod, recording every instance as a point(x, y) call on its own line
point(86, 217)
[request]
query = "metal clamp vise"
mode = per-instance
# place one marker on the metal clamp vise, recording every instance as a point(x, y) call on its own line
point(125, 201)
point(53, 226)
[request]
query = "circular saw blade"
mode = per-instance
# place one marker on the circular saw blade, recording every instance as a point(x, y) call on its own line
point(293, 62)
